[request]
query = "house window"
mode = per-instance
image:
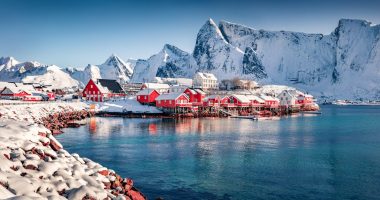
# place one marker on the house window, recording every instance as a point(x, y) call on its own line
point(91, 86)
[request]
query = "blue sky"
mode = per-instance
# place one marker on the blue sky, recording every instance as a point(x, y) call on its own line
point(75, 33)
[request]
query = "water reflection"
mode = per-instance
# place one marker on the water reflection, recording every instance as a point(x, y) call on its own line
point(333, 156)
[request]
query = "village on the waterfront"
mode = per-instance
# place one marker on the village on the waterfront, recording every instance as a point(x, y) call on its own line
point(202, 96)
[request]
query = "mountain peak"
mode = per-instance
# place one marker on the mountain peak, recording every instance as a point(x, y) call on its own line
point(8, 61)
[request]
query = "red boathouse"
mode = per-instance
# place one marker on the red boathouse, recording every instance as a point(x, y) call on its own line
point(102, 89)
point(147, 96)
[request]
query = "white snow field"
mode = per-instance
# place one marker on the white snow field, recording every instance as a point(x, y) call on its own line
point(33, 164)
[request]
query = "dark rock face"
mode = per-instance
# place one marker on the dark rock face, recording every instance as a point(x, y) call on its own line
point(252, 64)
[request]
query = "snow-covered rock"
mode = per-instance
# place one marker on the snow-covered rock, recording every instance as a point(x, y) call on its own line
point(169, 62)
point(113, 68)
point(12, 70)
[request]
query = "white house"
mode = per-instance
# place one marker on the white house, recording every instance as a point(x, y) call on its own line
point(205, 81)
point(289, 97)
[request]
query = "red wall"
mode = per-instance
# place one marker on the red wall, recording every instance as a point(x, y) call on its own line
point(92, 89)
point(172, 103)
point(148, 98)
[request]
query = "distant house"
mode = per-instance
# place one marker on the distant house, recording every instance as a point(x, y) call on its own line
point(205, 81)
point(196, 96)
point(102, 89)
point(172, 100)
point(147, 96)
point(246, 84)
point(159, 87)
point(14, 91)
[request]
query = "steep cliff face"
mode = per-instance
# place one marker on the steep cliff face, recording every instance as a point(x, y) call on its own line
point(288, 57)
point(343, 64)
point(169, 62)
point(215, 55)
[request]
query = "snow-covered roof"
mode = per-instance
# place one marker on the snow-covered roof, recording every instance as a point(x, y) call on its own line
point(268, 98)
point(156, 85)
point(214, 96)
point(241, 98)
point(200, 91)
point(174, 81)
point(170, 96)
point(255, 98)
point(207, 76)
point(145, 92)
point(20, 88)
point(192, 91)
point(102, 89)
point(6, 84)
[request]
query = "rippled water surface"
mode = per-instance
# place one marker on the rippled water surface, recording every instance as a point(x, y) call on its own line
point(332, 156)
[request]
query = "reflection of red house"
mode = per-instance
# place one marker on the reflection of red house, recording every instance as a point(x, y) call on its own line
point(172, 100)
point(196, 96)
point(102, 89)
point(147, 96)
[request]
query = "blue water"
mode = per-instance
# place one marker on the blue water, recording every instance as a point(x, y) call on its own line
point(332, 156)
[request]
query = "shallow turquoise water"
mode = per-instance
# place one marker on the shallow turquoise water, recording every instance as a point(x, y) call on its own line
point(332, 156)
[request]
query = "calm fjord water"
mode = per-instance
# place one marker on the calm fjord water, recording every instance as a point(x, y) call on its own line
point(332, 156)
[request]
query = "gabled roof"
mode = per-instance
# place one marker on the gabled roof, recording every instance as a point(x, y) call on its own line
point(255, 98)
point(199, 91)
point(146, 92)
point(17, 89)
point(112, 85)
point(207, 76)
point(241, 98)
point(214, 96)
point(156, 85)
point(171, 96)
point(191, 90)
point(268, 98)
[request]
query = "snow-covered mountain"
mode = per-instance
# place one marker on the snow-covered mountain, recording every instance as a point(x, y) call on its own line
point(113, 68)
point(343, 64)
point(12, 70)
point(169, 62)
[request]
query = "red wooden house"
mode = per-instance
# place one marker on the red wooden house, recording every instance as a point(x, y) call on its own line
point(305, 99)
point(16, 92)
point(215, 100)
point(102, 89)
point(255, 101)
point(196, 96)
point(172, 100)
point(270, 102)
point(240, 100)
point(147, 96)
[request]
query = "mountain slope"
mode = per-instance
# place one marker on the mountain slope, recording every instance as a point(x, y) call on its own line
point(113, 68)
point(169, 62)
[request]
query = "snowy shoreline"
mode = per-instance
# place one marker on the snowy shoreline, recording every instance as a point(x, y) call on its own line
point(34, 165)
